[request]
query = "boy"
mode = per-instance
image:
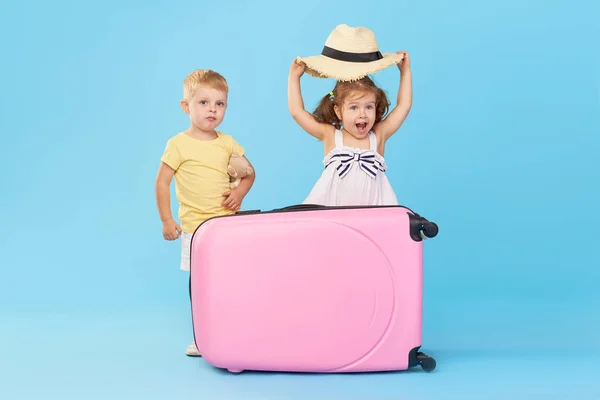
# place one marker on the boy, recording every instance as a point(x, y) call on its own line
point(198, 159)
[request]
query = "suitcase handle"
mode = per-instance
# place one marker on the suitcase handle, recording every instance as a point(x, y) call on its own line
point(303, 207)
point(247, 212)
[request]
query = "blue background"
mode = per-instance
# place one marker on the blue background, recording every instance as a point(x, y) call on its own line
point(500, 149)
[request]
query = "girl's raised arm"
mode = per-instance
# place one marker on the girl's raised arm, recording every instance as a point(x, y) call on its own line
point(296, 105)
point(396, 117)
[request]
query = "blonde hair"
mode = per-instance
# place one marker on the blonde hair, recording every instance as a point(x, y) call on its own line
point(203, 77)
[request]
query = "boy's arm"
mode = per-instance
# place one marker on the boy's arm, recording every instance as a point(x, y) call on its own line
point(236, 196)
point(171, 230)
point(296, 105)
point(247, 181)
point(395, 119)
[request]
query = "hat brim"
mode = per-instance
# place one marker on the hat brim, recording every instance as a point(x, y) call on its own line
point(324, 67)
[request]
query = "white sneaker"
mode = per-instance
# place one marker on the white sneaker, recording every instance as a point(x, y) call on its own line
point(192, 351)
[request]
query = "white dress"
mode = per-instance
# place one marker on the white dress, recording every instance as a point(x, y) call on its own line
point(353, 177)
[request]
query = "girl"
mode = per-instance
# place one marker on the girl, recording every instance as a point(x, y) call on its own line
point(351, 123)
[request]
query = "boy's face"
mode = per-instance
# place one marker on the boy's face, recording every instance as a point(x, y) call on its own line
point(206, 108)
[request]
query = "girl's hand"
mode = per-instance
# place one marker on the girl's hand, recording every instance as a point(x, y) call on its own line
point(171, 230)
point(297, 68)
point(404, 65)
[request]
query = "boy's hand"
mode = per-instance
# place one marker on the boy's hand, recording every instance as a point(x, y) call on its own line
point(171, 230)
point(233, 200)
point(404, 65)
point(297, 68)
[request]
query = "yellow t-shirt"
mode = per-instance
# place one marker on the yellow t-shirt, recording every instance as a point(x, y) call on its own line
point(200, 175)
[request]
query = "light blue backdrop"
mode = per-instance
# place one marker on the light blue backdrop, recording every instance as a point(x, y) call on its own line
point(500, 149)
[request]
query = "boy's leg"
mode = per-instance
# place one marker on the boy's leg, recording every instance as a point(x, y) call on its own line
point(186, 237)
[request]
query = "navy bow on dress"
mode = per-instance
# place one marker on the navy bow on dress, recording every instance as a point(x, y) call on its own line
point(366, 160)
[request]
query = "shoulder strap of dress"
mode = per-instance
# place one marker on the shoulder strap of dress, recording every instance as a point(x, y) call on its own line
point(339, 139)
point(373, 141)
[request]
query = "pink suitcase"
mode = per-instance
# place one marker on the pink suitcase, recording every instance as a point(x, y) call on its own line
point(310, 289)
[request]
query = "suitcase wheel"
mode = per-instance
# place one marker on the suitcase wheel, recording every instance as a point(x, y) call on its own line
point(234, 371)
point(427, 363)
point(430, 229)
point(420, 228)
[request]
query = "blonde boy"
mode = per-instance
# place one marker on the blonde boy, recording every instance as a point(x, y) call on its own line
point(198, 159)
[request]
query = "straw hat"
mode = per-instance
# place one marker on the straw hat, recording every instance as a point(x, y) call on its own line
point(349, 54)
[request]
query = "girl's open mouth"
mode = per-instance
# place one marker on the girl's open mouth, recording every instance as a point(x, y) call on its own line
point(361, 127)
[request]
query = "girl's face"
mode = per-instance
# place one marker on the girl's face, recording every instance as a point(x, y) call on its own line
point(357, 113)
